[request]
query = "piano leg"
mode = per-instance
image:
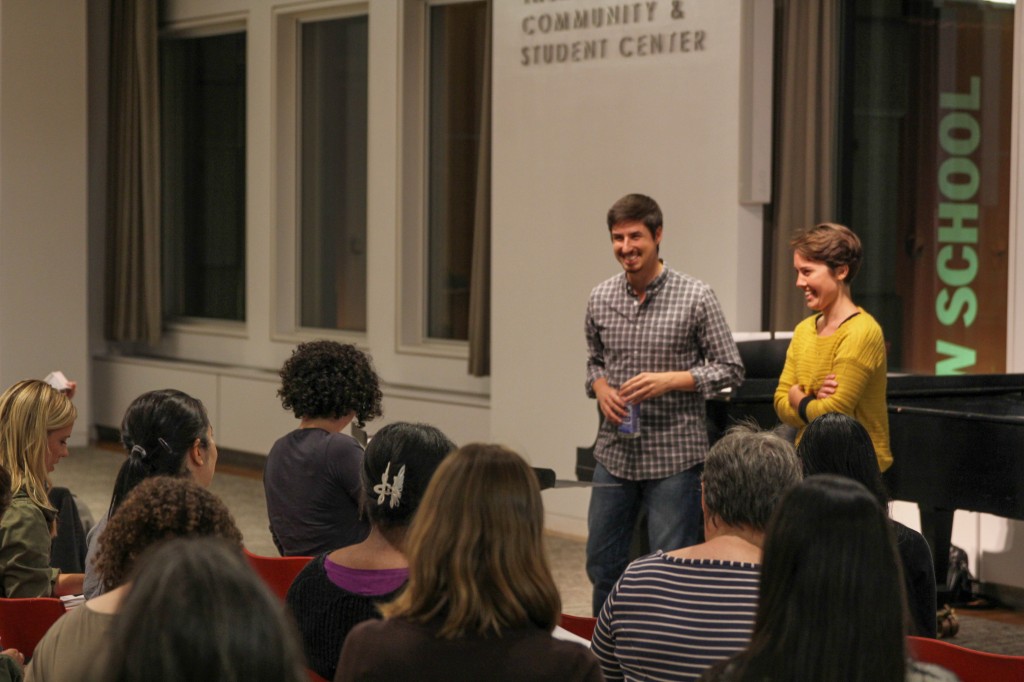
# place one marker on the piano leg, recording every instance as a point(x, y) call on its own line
point(937, 529)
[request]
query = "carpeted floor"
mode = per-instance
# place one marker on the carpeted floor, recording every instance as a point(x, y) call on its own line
point(90, 473)
point(986, 634)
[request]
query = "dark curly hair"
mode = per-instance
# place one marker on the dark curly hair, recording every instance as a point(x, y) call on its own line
point(159, 508)
point(197, 611)
point(328, 380)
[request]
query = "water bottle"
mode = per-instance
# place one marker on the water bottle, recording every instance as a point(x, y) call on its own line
point(630, 426)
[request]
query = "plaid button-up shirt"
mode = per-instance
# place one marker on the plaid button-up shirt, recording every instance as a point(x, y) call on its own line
point(679, 326)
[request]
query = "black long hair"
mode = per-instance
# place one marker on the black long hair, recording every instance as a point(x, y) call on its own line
point(409, 452)
point(831, 606)
point(836, 443)
point(158, 430)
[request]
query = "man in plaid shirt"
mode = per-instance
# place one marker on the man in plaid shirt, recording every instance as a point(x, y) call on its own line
point(657, 339)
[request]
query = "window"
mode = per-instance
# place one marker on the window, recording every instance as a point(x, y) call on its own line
point(446, 175)
point(202, 110)
point(921, 171)
point(332, 166)
point(455, 80)
point(926, 180)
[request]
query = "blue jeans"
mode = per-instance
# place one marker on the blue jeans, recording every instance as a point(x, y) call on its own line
point(674, 520)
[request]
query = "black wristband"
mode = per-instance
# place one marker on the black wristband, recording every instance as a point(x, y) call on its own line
point(802, 408)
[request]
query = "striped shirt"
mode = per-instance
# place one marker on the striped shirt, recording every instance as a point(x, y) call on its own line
point(670, 619)
point(678, 327)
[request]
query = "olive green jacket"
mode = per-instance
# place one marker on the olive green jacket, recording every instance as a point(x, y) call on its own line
point(25, 550)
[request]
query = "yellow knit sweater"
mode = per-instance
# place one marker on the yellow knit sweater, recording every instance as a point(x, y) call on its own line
point(855, 353)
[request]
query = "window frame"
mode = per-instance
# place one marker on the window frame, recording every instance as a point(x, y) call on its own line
point(413, 250)
point(222, 25)
point(285, 288)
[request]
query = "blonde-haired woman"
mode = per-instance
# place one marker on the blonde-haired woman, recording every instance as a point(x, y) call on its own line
point(35, 424)
point(480, 602)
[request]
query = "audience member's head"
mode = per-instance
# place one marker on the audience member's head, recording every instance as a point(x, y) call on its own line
point(35, 423)
point(836, 443)
point(399, 462)
point(745, 474)
point(166, 433)
point(330, 380)
point(476, 554)
point(832, 603)
point(158, 509)
point(197, 611)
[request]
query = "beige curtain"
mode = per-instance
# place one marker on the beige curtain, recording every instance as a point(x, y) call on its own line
point(806, 122)
point(480, 269)
point(133, 182)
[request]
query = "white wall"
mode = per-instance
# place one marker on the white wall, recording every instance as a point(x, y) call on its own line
point(570, 139)
point(43, 250)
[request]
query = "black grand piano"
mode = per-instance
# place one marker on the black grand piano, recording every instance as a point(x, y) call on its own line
point(957, 441)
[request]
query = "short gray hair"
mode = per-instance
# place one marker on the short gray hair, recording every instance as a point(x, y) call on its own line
point(745, 475)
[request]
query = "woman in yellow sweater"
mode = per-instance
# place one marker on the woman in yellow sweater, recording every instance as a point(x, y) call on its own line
point(836, 360)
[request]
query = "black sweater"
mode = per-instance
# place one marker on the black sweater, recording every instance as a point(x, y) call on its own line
point(325, 613)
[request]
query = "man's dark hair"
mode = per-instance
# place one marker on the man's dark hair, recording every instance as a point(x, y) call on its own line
point(636, 208)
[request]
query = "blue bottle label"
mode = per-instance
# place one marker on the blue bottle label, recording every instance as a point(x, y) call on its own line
point(630, 426)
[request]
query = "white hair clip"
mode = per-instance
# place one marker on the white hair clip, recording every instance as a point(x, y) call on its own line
point(394, 490)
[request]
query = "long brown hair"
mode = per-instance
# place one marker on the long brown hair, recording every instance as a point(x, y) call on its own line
point(476, 553)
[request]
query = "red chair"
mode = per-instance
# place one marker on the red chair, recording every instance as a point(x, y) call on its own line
point(23, 622)
point(969, 665)
point(581, 626)
point(277, 572)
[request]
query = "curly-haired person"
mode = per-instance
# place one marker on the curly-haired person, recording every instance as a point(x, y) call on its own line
point(311, 478)
point(217, 621)
point(157, 509)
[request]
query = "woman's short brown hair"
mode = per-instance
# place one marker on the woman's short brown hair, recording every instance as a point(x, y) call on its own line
point(832, 244)
point(477, 560)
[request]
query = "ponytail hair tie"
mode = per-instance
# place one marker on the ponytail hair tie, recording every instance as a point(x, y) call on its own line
point(138, 451)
